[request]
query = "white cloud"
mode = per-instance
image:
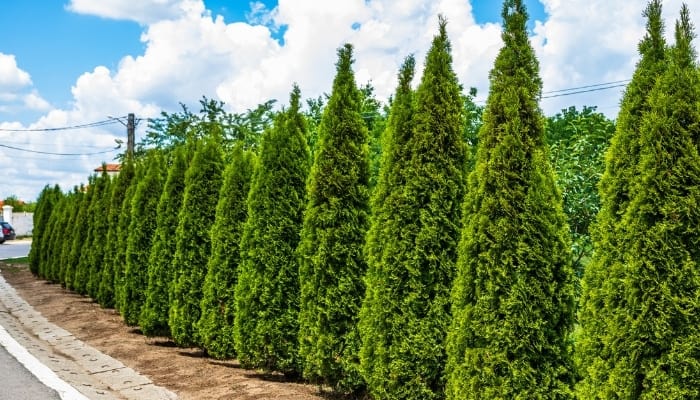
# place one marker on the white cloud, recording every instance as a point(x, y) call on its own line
point(11, 76)
point(142, 11)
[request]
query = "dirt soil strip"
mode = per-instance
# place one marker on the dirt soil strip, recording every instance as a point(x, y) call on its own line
point(184, 371)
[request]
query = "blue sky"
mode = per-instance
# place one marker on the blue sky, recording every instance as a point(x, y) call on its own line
point(72, 62)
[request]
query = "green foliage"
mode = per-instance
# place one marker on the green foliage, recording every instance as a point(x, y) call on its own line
point(17, 204)
point(142, 226)
point(652, 343)
point(267, 291)
point(119, 260)
point(55, 236)
point(172, 130)
point(153, 320)
point(413, 245)
point(513, 296)
point(73, 272)
point(602, 301)
point(215, 326)
point(193, 240)
point(577, 143)
point(82, 271)
point(74, 201)
point(335, 223)
point(105, 292)
point(45, 204)
point(99, 210)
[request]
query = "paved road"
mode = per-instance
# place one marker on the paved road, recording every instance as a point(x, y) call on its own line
point(16, 383)
point(15, 249)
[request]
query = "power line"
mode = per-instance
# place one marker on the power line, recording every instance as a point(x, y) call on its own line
point(58, 154)
point(588, 86)
point(585, 91)
point(65, 128)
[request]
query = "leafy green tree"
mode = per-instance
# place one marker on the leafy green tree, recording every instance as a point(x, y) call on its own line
point(413, 253)
point(74, 200)
point(153, 320)
point(577, 143)
point(119, 260)
point(602, 299)
point(144, 207)
point(45, 204)
point(388, 219)
point(267, 292)
point(105, 292)
point(193, 240)
point(100, 214)
point(74, 275)
point(216, 324)
point(335, 222)
point(652, 336)
point(513, 296)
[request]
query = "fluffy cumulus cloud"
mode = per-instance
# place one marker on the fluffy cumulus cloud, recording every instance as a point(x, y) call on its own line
point(16, 91)
point(189, 52)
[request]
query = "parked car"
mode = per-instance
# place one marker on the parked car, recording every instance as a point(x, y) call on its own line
point(8, 232)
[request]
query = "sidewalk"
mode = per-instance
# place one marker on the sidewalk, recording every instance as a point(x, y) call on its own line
point(92, 373)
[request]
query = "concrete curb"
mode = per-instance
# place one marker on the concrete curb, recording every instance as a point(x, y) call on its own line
point(94, 374)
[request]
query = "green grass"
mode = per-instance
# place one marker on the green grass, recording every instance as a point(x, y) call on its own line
point(19, 260)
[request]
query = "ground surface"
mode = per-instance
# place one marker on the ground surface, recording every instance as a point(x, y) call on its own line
point(183, 371)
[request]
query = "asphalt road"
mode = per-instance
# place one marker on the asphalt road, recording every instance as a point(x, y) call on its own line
point(16, 383)
point(15, 249)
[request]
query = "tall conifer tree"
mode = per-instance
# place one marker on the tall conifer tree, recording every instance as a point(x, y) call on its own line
point(105, 291)
point(75, 273)
point(45, 203)
point(144, 208)
point(513, 297)
point(153, 320)
point(119, 261)
point(99, 234)
point(67, 243)
point(405, 324)
point(652, 338)
point(602, 298)
point(216, 325)
point(335, 223)
point(267, 292)
point(193, 246)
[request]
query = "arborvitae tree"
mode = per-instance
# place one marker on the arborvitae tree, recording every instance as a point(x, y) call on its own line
point(74, 201)
point(652, 341)
point(335, 222)
point(105, 293)
point(45, 203)
point(82, 271)
point(416, 250)
point(602, 300)
point(60, 217)
point(388, 221)
point(119, 261)
point(218, 308)
point(513, 296)
point(144, 208)
point(73, 272)
point(193, 246)
point(100, 214)
point(153, 320)
point(267, 292)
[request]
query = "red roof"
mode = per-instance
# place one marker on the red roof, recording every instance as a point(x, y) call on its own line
point(109, 168)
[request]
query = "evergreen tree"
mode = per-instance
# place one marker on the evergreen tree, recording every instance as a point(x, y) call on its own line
point(73, 274)
point(119, 260)
point(144, 207)
point(82, 271)
point(602, 297)
point(59, 217)
point(153, 320)
point(105, 292)
point(218, 308)
point(100, 213)
point(406, 312)
point(652, 337)
point(45, 203)
point(74, 201)
point(193, 246)
point(513, 296)
point(334, 227)
point(267, 292)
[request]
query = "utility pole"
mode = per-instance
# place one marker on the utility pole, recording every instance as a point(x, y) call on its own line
point(130, 129)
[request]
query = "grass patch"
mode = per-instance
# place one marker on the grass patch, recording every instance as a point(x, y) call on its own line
point(19, 260)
